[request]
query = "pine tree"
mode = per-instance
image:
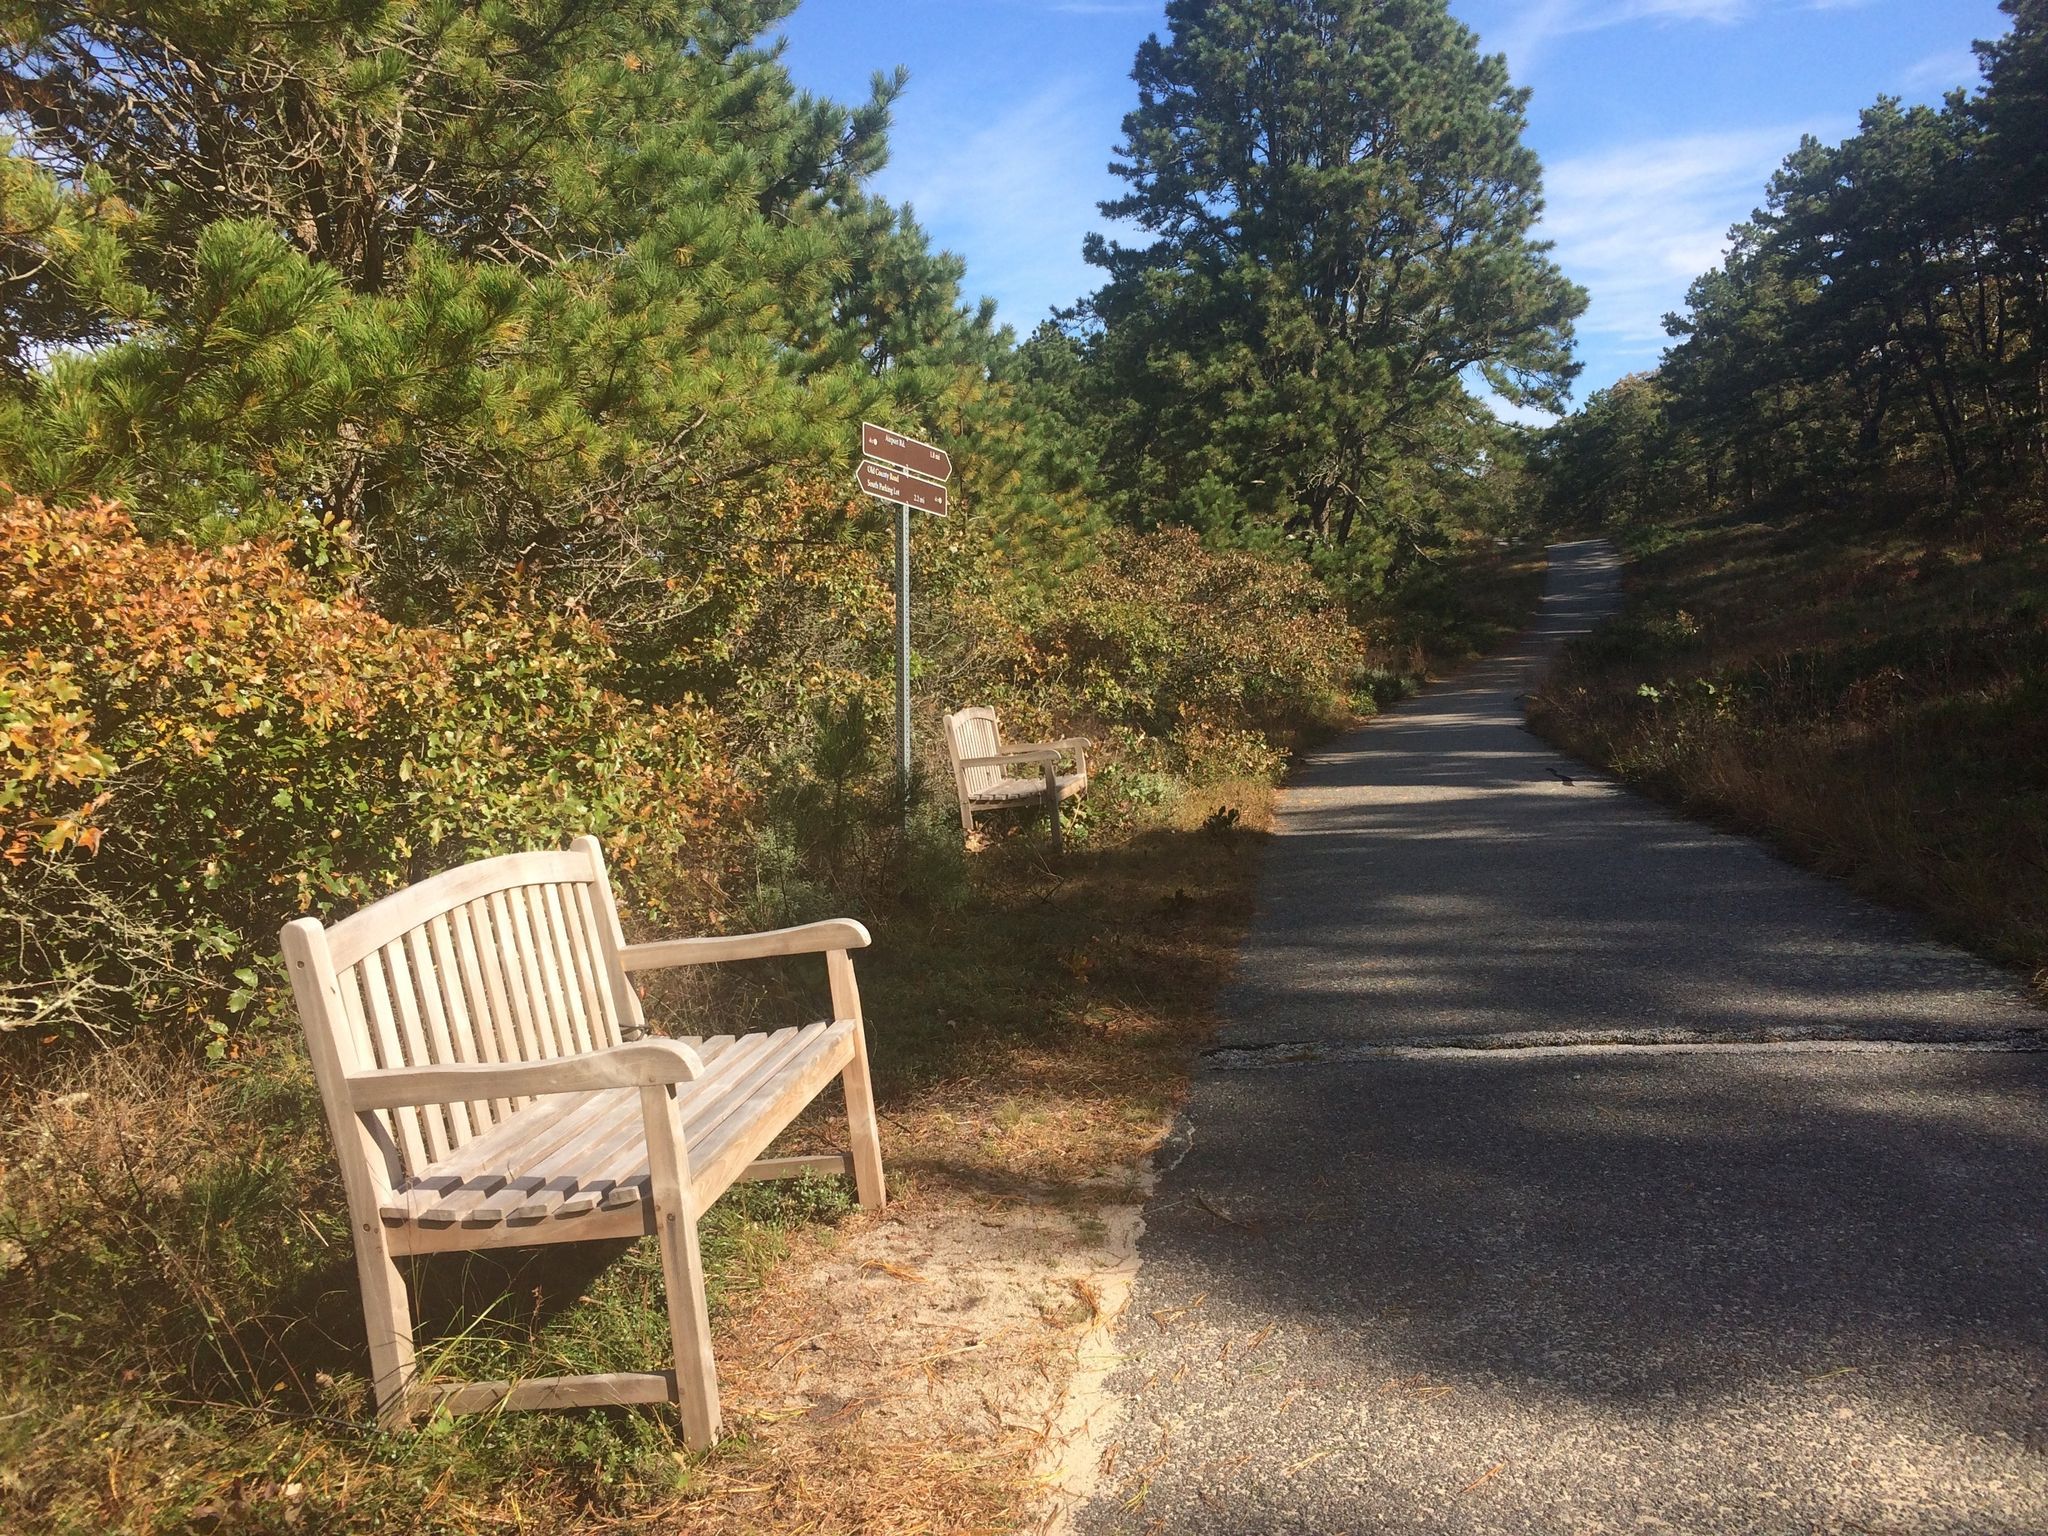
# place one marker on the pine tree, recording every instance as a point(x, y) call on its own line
point(64, 265)
point(545, 289)
point(1340, 204)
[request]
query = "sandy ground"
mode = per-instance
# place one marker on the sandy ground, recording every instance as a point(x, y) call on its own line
point(955, 1346)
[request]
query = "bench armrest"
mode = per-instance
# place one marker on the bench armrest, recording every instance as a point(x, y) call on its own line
point(1079, 746)
point(806, 939)
point(640, 1064)
point(1043, 758)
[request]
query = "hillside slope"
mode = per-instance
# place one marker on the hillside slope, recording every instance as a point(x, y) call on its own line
point(1870, 693)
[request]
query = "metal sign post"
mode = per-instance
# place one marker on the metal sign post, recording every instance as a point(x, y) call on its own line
point(911, 474)
point(903, 640)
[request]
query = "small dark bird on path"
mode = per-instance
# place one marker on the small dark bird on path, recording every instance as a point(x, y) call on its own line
point(1562, 778)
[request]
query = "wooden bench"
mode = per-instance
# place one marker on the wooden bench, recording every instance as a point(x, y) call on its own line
point(489, 1083)
point(974, 742)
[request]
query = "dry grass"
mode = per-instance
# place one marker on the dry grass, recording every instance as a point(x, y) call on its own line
point(181, 1341)
point(1870, 694)
point(180, 1334)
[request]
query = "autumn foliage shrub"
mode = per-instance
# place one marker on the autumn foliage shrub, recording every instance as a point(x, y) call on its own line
point(197, 744)
point(200, 744)
point(1211, 662)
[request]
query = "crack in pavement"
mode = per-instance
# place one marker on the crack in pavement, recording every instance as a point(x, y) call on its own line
point(1280, 1055)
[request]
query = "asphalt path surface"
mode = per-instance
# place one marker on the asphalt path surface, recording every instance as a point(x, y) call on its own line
point(1568, 1166)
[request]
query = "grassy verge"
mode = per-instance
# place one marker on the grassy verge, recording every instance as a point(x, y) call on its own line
point(174, 1233)
point(1869, 693)
point(180, 1334)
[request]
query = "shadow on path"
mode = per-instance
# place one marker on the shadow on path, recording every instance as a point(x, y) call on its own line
point(1735, 1289)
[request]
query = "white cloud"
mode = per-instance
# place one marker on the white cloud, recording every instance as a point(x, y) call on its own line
point(1015, 196)
point(1539, 23)
point(1636, 225)
point(1542, 22)
point(1940, 73)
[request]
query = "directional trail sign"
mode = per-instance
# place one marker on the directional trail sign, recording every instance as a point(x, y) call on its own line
point(890, 484)
point(911, 474)
point(905, 452)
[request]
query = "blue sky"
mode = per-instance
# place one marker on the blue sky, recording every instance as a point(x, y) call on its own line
point(1658, 122)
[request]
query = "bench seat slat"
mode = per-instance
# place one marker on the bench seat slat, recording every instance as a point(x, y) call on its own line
point(569, 1154)
point(609, 1149)
point(624, 1171)
point(774, 1103)
point(1005, 790)
point(616, 1163)
point(500, 1149)
point(785, 1046)
point(490, 1192)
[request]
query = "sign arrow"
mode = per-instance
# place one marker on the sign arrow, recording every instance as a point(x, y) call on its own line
point(905, 452)
point(887, 484)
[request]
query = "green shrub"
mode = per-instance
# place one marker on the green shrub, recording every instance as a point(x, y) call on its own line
point(201, 745)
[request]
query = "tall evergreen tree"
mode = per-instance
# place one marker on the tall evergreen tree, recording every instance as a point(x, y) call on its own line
point(2013, 187)
point(544, 287)
point(1882, 319)
point(1340, 205)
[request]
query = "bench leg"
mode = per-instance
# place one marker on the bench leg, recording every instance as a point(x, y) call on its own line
point(689, 1327)
point(682, 1266)
point(387, 1319)
point(1052, 804)
point(862, 1132)
point(861, 1129)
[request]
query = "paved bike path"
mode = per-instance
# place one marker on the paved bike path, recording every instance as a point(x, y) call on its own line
point(1567, 1166)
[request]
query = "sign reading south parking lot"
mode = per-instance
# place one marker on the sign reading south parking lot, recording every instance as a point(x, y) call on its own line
point(920, 459)
point(890, 484)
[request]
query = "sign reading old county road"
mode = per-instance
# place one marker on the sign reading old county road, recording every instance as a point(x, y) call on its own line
point(905, 452)
point(907, 490)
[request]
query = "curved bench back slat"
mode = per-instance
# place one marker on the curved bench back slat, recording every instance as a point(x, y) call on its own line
point(973, 733)
point(509, 960)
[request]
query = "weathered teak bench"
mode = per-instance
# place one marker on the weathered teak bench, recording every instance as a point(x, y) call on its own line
point(489, 1083)
point(974, 741)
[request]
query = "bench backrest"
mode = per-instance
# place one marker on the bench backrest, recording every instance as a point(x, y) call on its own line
point(973, 733)
point(506, 960)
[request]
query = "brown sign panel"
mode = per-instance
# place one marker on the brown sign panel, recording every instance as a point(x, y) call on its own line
point(893, 485)
point(905, 452)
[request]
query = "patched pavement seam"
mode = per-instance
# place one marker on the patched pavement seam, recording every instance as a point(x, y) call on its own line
point(1283, 1054)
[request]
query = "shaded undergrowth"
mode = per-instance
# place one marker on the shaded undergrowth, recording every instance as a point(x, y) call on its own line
point(1869, 692)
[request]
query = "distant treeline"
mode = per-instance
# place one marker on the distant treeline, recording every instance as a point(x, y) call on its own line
point(1883, 319)
point(546, 291)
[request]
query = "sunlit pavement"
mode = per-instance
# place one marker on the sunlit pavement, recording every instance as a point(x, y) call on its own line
point(1567, 1166)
